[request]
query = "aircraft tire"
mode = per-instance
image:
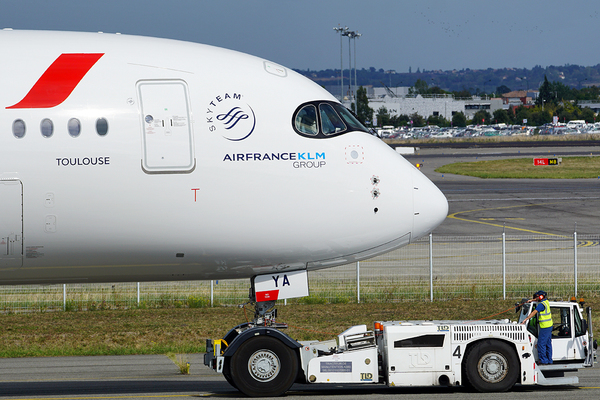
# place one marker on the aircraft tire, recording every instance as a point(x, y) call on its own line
point(263, 367)
point(492, 366)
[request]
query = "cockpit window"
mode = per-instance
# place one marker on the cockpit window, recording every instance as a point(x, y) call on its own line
point(349, 118)
point(331, 122)
point(306, 120)
point(333, 119)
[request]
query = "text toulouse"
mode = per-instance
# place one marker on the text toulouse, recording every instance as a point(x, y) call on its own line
point(83, 161)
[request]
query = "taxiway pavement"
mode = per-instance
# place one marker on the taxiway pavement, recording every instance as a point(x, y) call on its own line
point(156, 377)
point(524, 206)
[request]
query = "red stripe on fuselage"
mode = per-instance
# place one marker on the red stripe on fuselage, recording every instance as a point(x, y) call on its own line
point(59, 80)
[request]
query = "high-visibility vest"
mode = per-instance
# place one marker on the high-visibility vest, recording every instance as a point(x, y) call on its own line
point(545, 318)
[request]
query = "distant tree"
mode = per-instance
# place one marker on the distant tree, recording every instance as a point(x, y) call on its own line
point(522, 113)
point(383, 116)
point(562, 91)
point(364, 113)
point(435, 90)
point(538, 117)
point(500, 90)
point(399, 120)
point(464, 93)
point(417, 120)
point(420, 87)
point(564, 115)
point(482, 117)
point(501, 117)
point(437, 120)
point(588, 93)
point(568, 111)
point(459, 120)
point(588, 114)
point(546, 93)
point(410, 70)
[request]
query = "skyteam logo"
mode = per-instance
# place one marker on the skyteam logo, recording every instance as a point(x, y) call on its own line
point(228, 115)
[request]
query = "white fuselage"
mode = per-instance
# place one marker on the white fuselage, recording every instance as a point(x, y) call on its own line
point(186, 165)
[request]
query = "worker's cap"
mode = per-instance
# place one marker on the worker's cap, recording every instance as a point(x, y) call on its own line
point(541, 294)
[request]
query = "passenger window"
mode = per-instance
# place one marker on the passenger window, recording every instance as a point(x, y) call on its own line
point(18, 128)
point(47, 128)
point(330, 120)
point(102, 126)
point(74, 127)
point(306, 120)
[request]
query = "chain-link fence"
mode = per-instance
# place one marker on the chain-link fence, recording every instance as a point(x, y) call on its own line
point(435, 267)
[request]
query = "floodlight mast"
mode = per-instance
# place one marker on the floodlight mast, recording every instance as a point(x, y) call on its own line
point(352, 35)
point(355, 35)
point(349, 92)
point(341, 31)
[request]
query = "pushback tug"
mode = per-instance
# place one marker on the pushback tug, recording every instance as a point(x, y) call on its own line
point(491, 356)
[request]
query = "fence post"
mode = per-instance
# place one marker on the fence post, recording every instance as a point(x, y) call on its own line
point(138, 294)
point(575, 256)
point(358, 282)
point(430, 266)
point(504, 264)
point(211, 293)
point(64, 297)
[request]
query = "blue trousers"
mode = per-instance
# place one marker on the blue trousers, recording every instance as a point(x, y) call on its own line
point(544, 346)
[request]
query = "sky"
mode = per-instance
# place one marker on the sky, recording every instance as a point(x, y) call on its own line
point(396, 35)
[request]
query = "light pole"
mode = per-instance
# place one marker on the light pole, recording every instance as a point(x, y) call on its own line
point(355, 35)
point(349, 34)
point(341, 31)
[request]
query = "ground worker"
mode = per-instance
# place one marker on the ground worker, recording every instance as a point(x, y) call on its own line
point(544, 344)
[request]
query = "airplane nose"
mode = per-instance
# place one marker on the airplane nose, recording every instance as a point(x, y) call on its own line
point(430, 206)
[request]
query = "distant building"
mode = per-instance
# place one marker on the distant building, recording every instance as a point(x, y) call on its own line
point(593, 104)
point(382, 92)
point(424, 105)
point(397, 101)
point(476, 103)
point(519, 97)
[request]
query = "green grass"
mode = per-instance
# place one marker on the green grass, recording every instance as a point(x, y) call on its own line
point(184, 330)
point(587, 167)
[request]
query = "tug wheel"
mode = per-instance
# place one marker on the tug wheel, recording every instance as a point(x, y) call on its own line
point(263, 366)
point(492, 366)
